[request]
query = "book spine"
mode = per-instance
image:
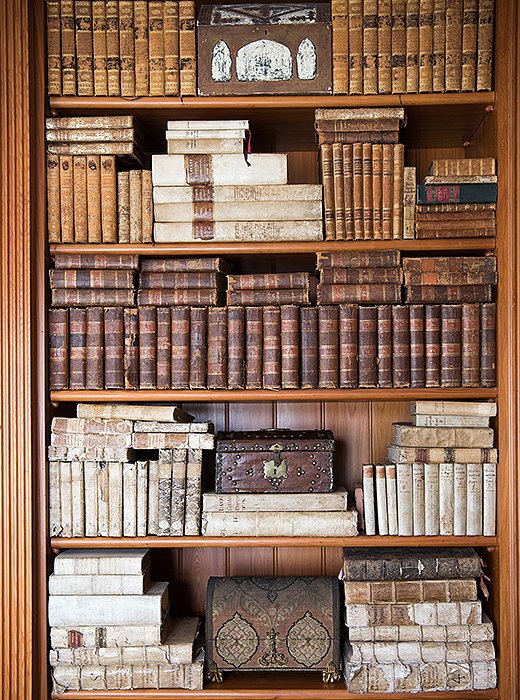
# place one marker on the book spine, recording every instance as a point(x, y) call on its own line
point(387, 194)
point(164, 493)
point(65, 480)
point(79, 165)
point(488, 344)
point(449, 293)
point(67, 199)
point(53, 47)
point(412, 46)
point(253, 347)
point(136, 207)
point(398, 192)
point(235, 347)
point(369, 510)
point(485, 44)
point(178, 502)
point(126, 48)
point(54, 500)
point(470, 344)
point(340, 46)
point(367, 350)
point(446, 498)
point(84, 48)
point(184, 280)
point(382, 508)
point(459, 498)
point(472, 193)
point(123, 207)
point(328, 325)
point(142, 499)
point(198, 347)
point(171, 47)
point(327, 178)
point(404, 484)
point(401, 346)
point(265, 297)
point(180, 342)
point(347, 190)
point(451, 349)
point(309, 347)
point(157, 58)
point(102, 498)
point(153, 497)
point(108, 199)
point(384, 47)
point(290, 347)
point(355, 35)
point(370, 54)
point(391, 498)
point(53, 199)
point(129, 499)
point(93, 199)
point(426, 46)
point(147, 347)
point(384, 346)
point(271, 348)
point(281, 280)
point(439, 45)
point(58, 349)
point(115, 499)
point(418, 498)
point(361, 276)
point(142, 65)
point(164, 350)
point(95, 378)
point(469, 45)
point(178, 297)
point(131, 348)
point(91, 502)
point(412, 436)
point(417, 346)
point(398, 46)
point(77, 348)
point(147, 206)
point(359, 259)
point(368, 204)
point(114, 348)
point(92, 297)
point(489, 485)
point(113, 55)
point(377, 190)
point(357, 189)
point(193, 493)
point(463, 166)
point(339, 194)
point(454, 409)
point(217, 348)
point(432, 328)
point(475, 499)
point(409, 194)
point(348, 346)
point(68, 48)
point(453, 45)
point(99, 44)
point(187, 48)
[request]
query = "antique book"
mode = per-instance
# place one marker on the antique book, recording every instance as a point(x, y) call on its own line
point(113, 56)
point(164, 353)
point(219, 169)
point(488, 344)
point(142, 498)
point(93, 199)
point(360, 293)
point(348, 345)
point(91, 279)
point(359, 259)
point(450, 271)
point(66, 510)
point(463, 166)
point(399, 46)
point(67, 199)
point(240, 196)
point(141, 53)
point(123, 207)
point(404, 485)
point(290, 347)
point(217, 348)
point(114, 348)
point(187, 49)
point(446, 498)
point(398, 191)
point(77, 348)
point(77, 493)
point(180, 344)
point(453, 76)
point(108, 199)
point(164, 492)
point(147, 347)
point(211, 210)
point(78, 562)
point(94, 372)
point(53, 197)
point(439, 45)
point(171, 47)
point(162, 414)
point(411, 436)
point(328, 343)
point(448, 293)
point(204, 124)
point(54, 55)
point(402, 591)
point(451, 348)
point(309, 342)
point(238, 231)
point(129, 514)
point(384, 347)
point(178, 491)
point(348, 164)
point(367, 346)
point(90, 122)
point(131, 349)
point(89, 135)
point(384, 47)
point(253, 329)
point(68, 48)
point(205, 145)
point(432, 340)
point(409, 195)
point(370, 50)
point(355, 48)
point(92, 297)
point(398, 453)
point(340, 54)
point(127, 48)
point(412, 46)
point(181, 280)
point(447, 421)
point(382, 508)
point(464, 193)
point(281, 524)
point(401, 346)
point(337, 500)
point(459, 498)
point(485, 44)
point(357, 190)
point(377, 190)
point(179, 297)
point(454, 408)
point(184, 265)
point(271, 356)
point(470, 344)
point(418, 498)
point(417, 346)
point(235, 347)
point(474, 499)
point(391, 498)
point(426, 46)
point(115, 499)
point(89, 637)
point(338, 191)
point(456, 179)
point(489, 488)
point(455, 231)
point(264, 297)
point(84, 53)
point(156, 56)
point(96, 261)
point(198, 347)
point(153, 497)
point(192, 514)
point(367, 192)
point(369, 499)
point(135, 206)
point(265, 281)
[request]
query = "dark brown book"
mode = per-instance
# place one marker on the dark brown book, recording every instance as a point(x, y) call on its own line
point(339, 194)
point(95, 375)
point(359, 293)
point(164, 349)
point(471, 217)
point(131, 348)
point(198, 347)
point(271, 361)
point(92, 297)
point(328, 344)
point(58, 349)
point(362, 258)
point(180, 344)
point(348, 192)
point(95, 261)
point(370, 47)
point(456, 232)
point(417, 348)
point(309, 347)
point(368, 275)
point(348, 346)
point(91, 279)
point(114, 348)
point(367, 352)
point(180, 297)
point(236, 350)
point(368, 195)
point(77, 348)
point(182, 280)
point(185, 264)
point(357, 189)
point(457, 207)
point(253, 346)
point(147, 347)
point(387, 214)
point(451, 347)
point(327, 179)
point(488, 344)
point(401, 346)
point(343, 137)
point(470, 344)
point(374, 124)
point(453, 293)
point(377, 190)
point(432, 349)
point(266, 297)
point(270, 280)
point(384, 346)
point(290, 346)
point(217, 348)
point(451, 271)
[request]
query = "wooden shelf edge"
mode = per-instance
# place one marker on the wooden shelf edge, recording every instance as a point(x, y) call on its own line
point(219, 542)
point(278, 248)
point(244, 395)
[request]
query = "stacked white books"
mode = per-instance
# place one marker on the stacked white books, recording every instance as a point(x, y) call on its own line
point(97, 487)
point(441, 476)
point(278, 514)
point(110, 627)
point(208, 188)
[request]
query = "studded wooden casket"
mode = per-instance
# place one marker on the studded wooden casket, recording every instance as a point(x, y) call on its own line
point(274, 461)
point(268, 48)
point(273, 623)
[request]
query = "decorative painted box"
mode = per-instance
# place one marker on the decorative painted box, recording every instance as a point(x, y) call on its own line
point(264, 49)
point(273, 623)
point(274, 461)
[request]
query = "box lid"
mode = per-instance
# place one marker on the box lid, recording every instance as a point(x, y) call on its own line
point(264, 13)
point(264, 440)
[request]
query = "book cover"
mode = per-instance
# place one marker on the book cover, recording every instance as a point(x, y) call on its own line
point(271, 360)
point(328, 335)
point(198, 347)
point(290, 347)
point(488, 344)
point(384, 346)
point(309, 347)
point(254, 346)
point(114, 347)
point(367, 348)
point(401, 346)
point(147, 347)
point(327, 178)
point(95, 353)
point(235, 349)
point(58, 349)
point(417, 346)
point(164, 351)
point(77, 348)
point(180, 344)
point(130, 349)
point(217, 348)
point(339, 193)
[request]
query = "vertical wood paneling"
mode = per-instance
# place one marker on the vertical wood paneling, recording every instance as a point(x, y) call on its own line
point(384, 414)
point(422, 157)
point(197, 565)
point(254, 561)
point(350, 423)
point(16, 474)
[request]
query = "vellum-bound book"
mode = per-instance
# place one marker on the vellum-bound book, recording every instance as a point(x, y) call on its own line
point(297, 210)
point(219, 169)
point(238, 231)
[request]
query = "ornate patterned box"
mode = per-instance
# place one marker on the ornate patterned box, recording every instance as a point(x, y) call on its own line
point(274, 461)
point(263, 623)
point(264, 49)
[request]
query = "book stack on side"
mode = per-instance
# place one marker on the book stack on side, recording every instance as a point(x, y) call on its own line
point(365, 183)
point(110, 628)
point(414, 621)
point(275, 288)
point(182, 281)
point(207, 188)
point(98, 487)
point(407, 46)
point(454, 279)
point(441, 479)
point(457, 199)
point(127, 48)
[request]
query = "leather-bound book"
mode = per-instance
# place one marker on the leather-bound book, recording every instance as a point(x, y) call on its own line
point(357, 259)
point(357, 189)
point(113, 55)
point(361, 275)
point(126, 48)
point(131, 348)
point(355, 38)
point(181, 280)
point(449, 293)
point(53, 199)
point(156, 48)
point(290, 346)
point(265, 297)
point(95, 261)
point(58, 349)
point(164, 350)
point(185, 265)
point(340, 68)
point(108, 199)
point(377, 190)
point(469, 45)
point(412, 46)
point(384, 346)
point(235, 352)
point(179, 297)
point(453, 45)
point(253, 346)
point(80, 198)
point(470, 344)
point(368, 198)
point(309, 347)
point(348, 346)
point(339, 194)
point(271, 348)
point(417, 346)
point(401, 346)
point(370, 54)
point(327, 179)
point(53, 48)
point(384, 47)
point(348, 191)
point(387, 191)
point(187, 50)
point(66, 199)
point(488, 344)
point(362, 293)
point(84, 52)
point(77, 348)
point(91, 279)
point(142, 65)
point(147, 347)
point(198, 347)
point(439, 45)
point(180, 343)
point(95, 377)
point(398, 191)
point(68, 48)
point(451, 348)
point(94, 199)
point(217, 348)
point(92, 297)
point(270, 280)
point(486, 10)
point(432, 338)
point(171, 47)
point(398, 46)
point(426, 46)
point(114, 348)
point(328, 334)
point(367, 338)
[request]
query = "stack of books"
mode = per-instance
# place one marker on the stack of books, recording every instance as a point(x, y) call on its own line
point(441, 479)
point(365, 277)
point(407, 47)
point(207, 188)
point(104, 136)
point(182, 281)
point(458, 199)
point(263, 289)
point(454, 279)
point(134, 206)
point(98, 489)
point(414, 622)
point(110, 628)
point(127, 49)
point(363, 174)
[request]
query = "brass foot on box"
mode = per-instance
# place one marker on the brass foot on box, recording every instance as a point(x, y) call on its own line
point(331, 674)
point(215, 674)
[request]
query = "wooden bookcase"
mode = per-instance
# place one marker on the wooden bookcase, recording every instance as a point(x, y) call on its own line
point(444, 125)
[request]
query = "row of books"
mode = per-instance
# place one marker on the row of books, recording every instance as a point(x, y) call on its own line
point(88, 136)
point(127, 49)
point(110, 627)
point(405, 46)
point(414, 621)
point(121, 497)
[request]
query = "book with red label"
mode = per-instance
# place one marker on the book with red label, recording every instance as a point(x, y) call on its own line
point(464, 193)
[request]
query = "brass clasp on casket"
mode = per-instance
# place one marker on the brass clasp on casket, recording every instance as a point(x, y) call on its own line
point(275, 469)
